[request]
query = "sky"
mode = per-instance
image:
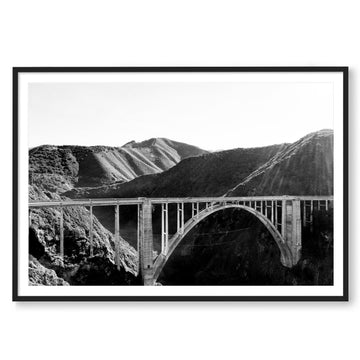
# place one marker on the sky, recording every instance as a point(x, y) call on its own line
point(210, 115)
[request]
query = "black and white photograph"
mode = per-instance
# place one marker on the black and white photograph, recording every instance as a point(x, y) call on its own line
point(191, 183)
point(180, 180)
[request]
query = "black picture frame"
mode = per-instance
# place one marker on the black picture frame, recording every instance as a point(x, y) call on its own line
point(15, 272)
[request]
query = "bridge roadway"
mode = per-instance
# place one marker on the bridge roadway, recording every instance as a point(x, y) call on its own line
point(172, 200)
point(283, 216)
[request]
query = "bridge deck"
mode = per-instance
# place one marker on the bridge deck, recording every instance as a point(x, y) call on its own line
point(136, 201)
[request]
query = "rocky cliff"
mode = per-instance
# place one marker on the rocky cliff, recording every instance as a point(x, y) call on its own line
point(78, 267)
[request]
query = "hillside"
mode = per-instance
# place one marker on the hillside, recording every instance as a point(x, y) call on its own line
point(206, 175)
point(304, 167)
point(61, 168)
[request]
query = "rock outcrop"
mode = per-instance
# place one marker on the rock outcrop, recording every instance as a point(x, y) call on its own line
point(40, 275)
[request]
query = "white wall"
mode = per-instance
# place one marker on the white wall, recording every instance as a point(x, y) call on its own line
point(115, 33)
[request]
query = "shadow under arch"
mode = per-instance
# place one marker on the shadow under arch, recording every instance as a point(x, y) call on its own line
point(161, 260)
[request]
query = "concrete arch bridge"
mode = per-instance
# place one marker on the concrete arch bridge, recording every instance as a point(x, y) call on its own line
point(283, 216)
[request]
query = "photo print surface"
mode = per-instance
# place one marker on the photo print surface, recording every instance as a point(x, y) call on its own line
point(181, 184)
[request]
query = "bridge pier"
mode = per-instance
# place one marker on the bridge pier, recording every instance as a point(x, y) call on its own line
point(117, 237)
point(146, 243)
point(291, 230)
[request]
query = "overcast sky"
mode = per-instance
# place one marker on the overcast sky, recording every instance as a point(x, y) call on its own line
point(211, 115)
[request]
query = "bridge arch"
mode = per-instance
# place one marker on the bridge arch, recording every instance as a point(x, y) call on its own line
point(161, 260)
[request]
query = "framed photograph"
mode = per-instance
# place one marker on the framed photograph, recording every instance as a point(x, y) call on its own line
point(180, 184)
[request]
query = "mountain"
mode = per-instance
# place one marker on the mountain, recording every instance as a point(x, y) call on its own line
point(206, 175)
point(61, 168)
point(304, 167)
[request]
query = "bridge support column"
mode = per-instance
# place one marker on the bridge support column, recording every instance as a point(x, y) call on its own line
point(146, 243)
point(164, 229)
point(180, 217)
point(194, 210)
point(62, 233)
point(91, 238)
point(291, 230)
point(117, 237)
point(139, 239)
